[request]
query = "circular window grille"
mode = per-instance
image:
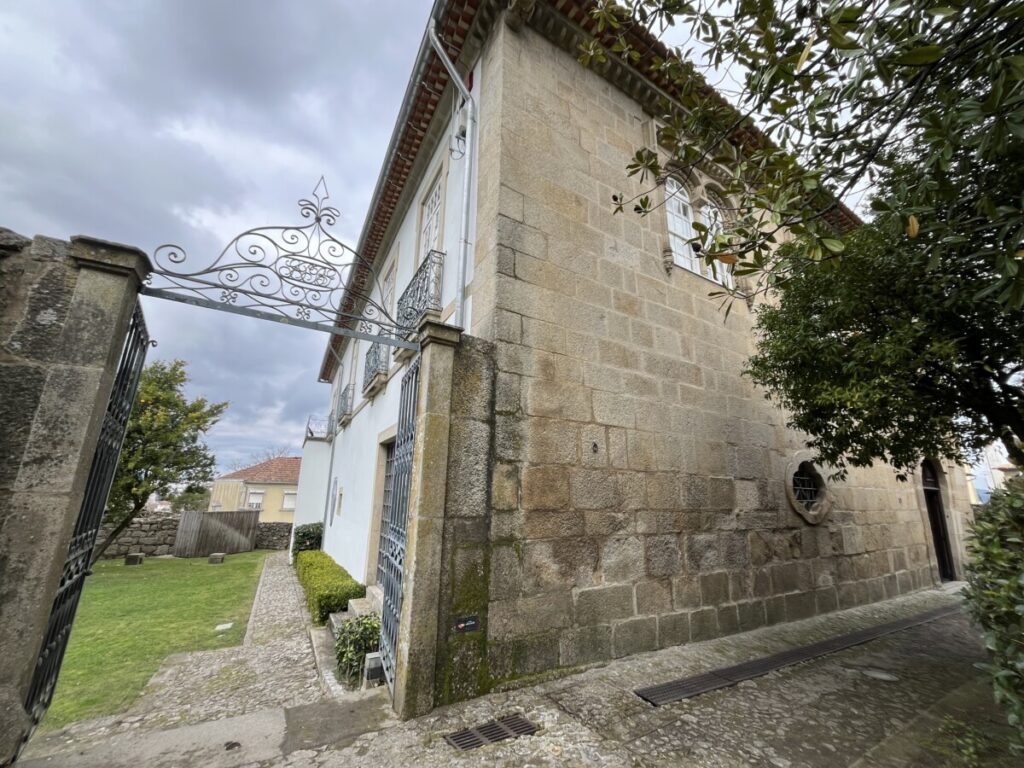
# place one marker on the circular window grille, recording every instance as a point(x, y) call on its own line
point(807, 492)
point(807, 485)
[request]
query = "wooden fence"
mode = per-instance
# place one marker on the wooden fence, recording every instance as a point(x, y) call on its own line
point(202, 533)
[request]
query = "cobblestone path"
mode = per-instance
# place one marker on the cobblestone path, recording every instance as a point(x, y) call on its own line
point(274, 667)
point(883, 704)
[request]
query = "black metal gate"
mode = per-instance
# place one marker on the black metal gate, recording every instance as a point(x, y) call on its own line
point(101, 475)
point(394, 515)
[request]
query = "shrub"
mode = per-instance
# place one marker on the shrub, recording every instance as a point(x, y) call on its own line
point(328, 586)
point(357, 638)
point(307, 537)
point(995, 595)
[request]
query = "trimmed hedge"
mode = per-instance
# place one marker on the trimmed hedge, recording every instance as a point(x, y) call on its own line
point(309, 536)
point(995, 595)
point(328, 586)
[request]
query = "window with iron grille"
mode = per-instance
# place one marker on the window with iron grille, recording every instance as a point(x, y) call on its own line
point(807, 485)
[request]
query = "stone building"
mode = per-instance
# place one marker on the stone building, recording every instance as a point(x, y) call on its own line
point(592, 476)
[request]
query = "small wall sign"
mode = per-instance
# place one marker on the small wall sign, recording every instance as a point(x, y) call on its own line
point(467, 623)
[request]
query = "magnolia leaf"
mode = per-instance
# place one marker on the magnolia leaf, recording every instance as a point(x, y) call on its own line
point(727, 258)
point(912, 226)
point(836, 246)
point(806, 53)
point(925, 54)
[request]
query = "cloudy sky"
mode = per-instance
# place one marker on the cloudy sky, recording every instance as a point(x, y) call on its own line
point(156, 121)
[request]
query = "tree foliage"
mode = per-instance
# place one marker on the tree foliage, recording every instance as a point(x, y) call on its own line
point(163, 446)
point(193, 497)
point(828, 93)
point(995, 595)
point(890, 354)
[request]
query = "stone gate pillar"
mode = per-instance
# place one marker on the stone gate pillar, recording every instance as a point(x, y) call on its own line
point(417, 629)
point(64, 314)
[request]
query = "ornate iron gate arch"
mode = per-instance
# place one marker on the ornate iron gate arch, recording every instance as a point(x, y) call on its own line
point(299, 275)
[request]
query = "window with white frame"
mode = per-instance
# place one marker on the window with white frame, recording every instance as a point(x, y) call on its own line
point(254, 499)
point(679, 211)
point(430, 228)
point(289, 500)
point(387, 288)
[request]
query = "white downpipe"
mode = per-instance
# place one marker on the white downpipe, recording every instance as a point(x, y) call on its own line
point(456, 78)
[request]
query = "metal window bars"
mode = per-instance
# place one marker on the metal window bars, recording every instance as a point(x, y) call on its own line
point(318, 427)
point(346, 400)
point(375, 370)
point(423, 294)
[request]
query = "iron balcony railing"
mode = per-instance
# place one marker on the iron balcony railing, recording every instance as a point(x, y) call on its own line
point(423, 294)
point(346, 400)
point(317, 427)
point(377, 363)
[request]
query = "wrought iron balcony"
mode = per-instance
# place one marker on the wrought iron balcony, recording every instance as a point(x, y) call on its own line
point(375, 372)
point(423, 294)
point(346, 400)
point(318, 428)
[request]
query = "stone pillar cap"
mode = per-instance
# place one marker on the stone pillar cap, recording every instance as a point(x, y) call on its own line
point(110, 256)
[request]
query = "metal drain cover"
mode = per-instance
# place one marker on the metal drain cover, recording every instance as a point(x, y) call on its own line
point(508, 727)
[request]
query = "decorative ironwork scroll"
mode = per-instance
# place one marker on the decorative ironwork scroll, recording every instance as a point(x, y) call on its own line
point(298, 275)
point(423, 294)
point(376, 364)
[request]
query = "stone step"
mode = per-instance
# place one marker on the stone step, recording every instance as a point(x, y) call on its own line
point(336, 620)
point(376, 597)
point(361, 606)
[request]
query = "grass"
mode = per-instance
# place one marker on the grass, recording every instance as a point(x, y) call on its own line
point(131, 618)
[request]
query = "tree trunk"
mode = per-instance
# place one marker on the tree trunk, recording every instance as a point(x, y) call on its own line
point(100, 548)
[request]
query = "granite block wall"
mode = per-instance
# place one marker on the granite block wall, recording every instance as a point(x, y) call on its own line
point(637, 490)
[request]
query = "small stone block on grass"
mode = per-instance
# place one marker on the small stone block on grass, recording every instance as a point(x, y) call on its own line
point(216, 558)
point(134, 558)
point(224, 627)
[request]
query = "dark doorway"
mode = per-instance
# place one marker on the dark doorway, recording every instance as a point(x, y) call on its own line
point(937, 519)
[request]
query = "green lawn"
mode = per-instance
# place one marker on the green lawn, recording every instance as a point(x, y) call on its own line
point(131, 618)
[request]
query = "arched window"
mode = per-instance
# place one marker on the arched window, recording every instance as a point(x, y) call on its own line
point(680, 224)
point(712, 216)
point(679, 213)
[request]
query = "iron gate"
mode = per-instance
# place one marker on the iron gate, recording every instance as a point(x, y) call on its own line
point(394, 517)
point(101, 475)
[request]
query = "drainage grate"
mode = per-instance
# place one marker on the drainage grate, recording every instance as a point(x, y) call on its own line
point(508, 727)
point(684, 688)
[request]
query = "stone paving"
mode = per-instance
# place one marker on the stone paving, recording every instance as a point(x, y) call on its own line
point(274, 667)
point(826, 712)
point(878, 705)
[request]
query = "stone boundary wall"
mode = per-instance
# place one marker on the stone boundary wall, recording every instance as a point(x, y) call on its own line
point(151, 534)
point(273, 535)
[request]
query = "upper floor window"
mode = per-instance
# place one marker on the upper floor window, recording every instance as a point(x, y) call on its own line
point(430, 228)
point(254, 500)
point(679, 210)
point(289, 500)
point(388, 288)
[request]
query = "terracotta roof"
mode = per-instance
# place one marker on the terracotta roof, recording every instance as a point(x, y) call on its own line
point(284, 469)
point(429, 79)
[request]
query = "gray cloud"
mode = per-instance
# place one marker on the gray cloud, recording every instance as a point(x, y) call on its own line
point(165, 121)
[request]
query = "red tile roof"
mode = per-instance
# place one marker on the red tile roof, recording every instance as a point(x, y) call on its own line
point(430, 78)
point(284, 469)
